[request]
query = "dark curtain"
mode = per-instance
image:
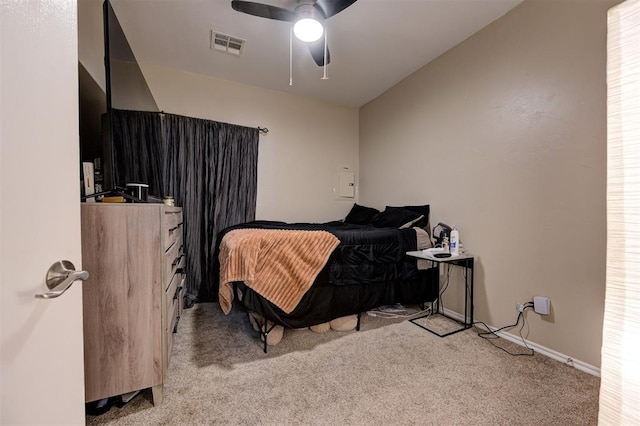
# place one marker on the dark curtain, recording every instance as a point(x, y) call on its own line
point(137, 159)
point(210, 168)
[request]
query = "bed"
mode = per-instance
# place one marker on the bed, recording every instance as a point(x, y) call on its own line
point(363, 268)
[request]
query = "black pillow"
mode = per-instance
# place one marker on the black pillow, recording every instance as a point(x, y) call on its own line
point(395, 217)
point(361, 215)
point(423, 210)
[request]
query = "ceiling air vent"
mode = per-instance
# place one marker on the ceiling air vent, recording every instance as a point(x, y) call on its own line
point(226, 43)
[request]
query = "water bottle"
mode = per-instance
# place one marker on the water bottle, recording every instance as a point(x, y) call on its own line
point(454, 242)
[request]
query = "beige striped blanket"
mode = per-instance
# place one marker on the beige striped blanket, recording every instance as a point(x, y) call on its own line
point(280, 265)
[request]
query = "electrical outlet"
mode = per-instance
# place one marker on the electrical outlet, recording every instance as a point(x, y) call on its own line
point(519, 307)
point(542, 305)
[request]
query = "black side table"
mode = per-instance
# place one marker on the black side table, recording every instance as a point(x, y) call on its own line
point(464, 260)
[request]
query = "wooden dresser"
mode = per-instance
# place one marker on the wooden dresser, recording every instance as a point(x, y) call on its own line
point(133, 297)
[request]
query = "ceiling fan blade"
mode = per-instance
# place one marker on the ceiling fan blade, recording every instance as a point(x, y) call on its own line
point(331, 7)
point(264, 10)
point(317, 52)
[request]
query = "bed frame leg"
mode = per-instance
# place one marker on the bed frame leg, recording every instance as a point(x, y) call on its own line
point(358, 323)
point(264, 333)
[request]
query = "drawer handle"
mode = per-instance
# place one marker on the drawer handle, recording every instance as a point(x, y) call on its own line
point(173, 229)
point(175, 295)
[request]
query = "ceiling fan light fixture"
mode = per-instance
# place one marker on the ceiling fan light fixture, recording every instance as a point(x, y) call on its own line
point(308, 29)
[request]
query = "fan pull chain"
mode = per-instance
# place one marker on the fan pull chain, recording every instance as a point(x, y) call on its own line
point(291, 57)
point(325, 76)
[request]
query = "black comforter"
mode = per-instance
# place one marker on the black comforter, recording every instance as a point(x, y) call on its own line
point(368, 269)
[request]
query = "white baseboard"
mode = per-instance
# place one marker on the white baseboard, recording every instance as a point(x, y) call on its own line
point(580, 365)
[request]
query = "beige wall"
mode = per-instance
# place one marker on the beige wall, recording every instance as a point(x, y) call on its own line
point(505, 137)
point(91, 40)
point(91, 78)
point(129, 90)
point(308, 142)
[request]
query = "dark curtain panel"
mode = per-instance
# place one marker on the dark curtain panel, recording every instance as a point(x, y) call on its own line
point(210, 169)
point(137, 159)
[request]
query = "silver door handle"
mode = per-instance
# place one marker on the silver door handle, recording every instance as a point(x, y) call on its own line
point(60, 276)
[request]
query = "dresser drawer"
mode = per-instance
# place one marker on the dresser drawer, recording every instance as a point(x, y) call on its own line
point(181, 263)
point(172, 299)
point(172, 235)
point(172, 227)
point(181, 290)
point(179, 237)
point(173, 316)
point(171, 260)
point(169, 339)
point(172, 217)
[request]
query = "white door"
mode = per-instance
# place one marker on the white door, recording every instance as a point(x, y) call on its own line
point(41, 356)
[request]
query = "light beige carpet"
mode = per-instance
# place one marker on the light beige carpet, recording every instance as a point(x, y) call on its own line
point(390, 372)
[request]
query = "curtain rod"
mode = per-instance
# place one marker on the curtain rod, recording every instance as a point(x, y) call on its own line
point(262, 130)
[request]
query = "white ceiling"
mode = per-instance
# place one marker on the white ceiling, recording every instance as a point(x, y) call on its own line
point(374, 43)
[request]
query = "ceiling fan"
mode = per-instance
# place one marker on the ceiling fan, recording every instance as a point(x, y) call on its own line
point(308, 18)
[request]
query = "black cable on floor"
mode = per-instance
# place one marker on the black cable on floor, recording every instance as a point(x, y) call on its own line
point(492, 335)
